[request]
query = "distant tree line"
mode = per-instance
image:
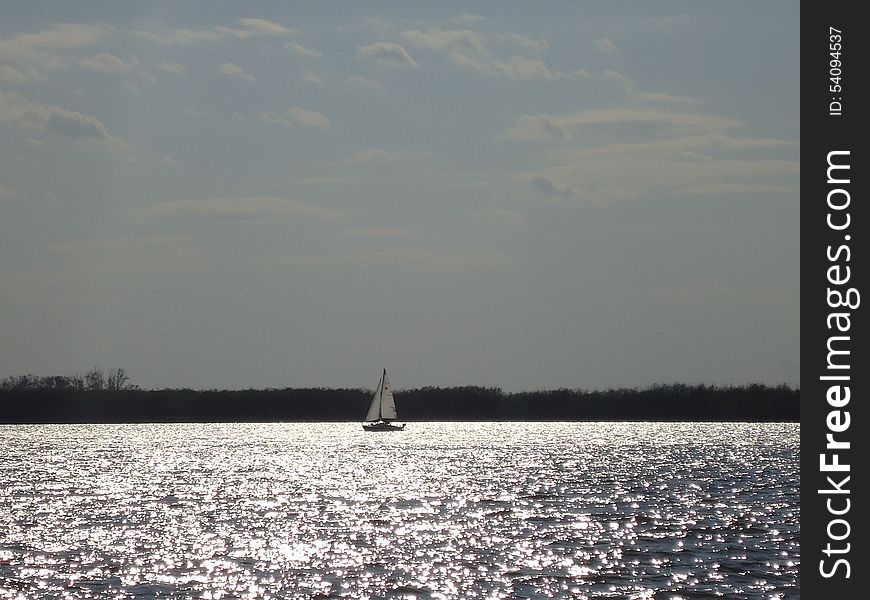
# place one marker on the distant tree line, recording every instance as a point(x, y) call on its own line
point(100, 397)
point(95, 380)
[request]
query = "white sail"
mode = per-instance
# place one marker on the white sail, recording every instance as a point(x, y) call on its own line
point(383, 405)
point(388, 404)
point(375, 409)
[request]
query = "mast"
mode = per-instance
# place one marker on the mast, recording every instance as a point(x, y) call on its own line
point(381, 396)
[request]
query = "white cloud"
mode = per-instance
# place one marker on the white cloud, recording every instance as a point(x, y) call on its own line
point(668, 153)
point(619, 78)
point(741, 189)
point(58, 37)
point(598, 174)
point(605, 45)
point(464, 47)
point(383, 156)
point(689, 147)
point(256, 207)
point(18, 110)
point(547, 188)
point(105, 62)
point(659, 97)
point(521, 67)
point(296, 115)
point(172, 67)
point(300, 50)
point(468, 19)
point(235, 71)
point(462, 40)
point(29, 55)
point(265, 27)
point(524, 42)
point(364, 82)
point(311, 118)
point(560, 128)
point(250, 27)
point(312, 77)
point(537, 127)
point(469, 50)
point(11, 75)
point(387, 54)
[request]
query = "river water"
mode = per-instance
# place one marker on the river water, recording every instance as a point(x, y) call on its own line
point(440, 510)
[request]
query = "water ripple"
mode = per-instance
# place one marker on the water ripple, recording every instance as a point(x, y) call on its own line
point(442, 510)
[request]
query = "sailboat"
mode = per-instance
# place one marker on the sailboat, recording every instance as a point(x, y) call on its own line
point(382, 412)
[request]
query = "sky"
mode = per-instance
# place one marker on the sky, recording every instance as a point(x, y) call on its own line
point(225, 195)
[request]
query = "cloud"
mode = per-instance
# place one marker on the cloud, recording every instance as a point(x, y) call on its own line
point(235, 71)
point(172, 67)
point(105, 62)
point(359, 81)
point(619, 78)
point(668, 153)
point(560, 128)
point(520, 67)
point(526, 43)
point(250, 27)
point(385, 156)
point(58, 37)
point(10, 75)
point(462, 40)
point(255, 207)
point(548, 189)
point(312, 77)
point(311, 118)
point(16, 109)
point(468, 19)
point(469, 50)
point(681, 147)
point(537, 127)
point(739, 189)
point(300, 50)
point(659, 97)
point(605, 45)
point(265, 27)
point(296, 115)
point(591, 175)
point(28, 56)
point(387, 54)
point(466, 48)
point(544, 186)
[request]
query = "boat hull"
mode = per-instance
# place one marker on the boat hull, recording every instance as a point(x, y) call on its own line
point(382, 426)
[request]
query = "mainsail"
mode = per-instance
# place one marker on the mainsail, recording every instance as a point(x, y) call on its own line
point(383, 406)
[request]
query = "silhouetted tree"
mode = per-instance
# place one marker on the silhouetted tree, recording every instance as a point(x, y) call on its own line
point(95, 380)
point(116, 380)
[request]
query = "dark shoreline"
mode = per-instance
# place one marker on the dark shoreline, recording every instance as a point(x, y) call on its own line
point(665, 403)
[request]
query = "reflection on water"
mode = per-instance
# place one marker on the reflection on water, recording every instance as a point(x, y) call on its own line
point(442, 510)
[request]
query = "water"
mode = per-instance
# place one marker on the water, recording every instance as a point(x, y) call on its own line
point(441, 510)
